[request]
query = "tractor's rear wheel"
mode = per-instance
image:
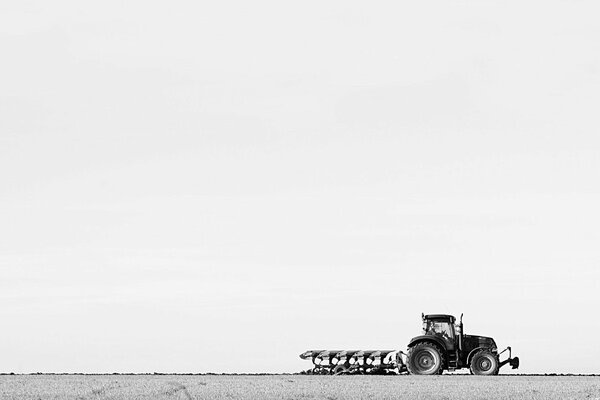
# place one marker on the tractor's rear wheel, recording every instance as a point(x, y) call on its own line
point(425, 359)
point(484, 362)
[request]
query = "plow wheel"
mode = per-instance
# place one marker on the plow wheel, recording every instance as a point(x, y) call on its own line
point(485, 362)
point(340, 370)
point(425, 359)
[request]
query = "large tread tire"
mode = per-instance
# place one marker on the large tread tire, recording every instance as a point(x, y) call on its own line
point(425, 359)
point(484, 362)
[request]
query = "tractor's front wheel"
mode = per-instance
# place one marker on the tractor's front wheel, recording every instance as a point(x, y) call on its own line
point(425, 359)
point(484, 362)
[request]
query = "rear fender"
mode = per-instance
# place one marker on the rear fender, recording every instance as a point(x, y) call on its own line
point(428, 338)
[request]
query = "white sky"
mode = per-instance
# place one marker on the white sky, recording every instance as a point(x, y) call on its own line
point(218, 186)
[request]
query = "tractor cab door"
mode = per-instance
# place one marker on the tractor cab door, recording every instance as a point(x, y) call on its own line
point(443, 330)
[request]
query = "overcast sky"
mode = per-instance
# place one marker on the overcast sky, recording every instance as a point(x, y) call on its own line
point(192, 186)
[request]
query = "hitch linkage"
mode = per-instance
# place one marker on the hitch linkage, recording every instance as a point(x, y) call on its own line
point(513, 362)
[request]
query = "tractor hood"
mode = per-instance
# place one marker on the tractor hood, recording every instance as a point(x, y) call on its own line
point(474, 341)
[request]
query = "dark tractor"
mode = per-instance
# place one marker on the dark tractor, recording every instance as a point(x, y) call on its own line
point(444, 346)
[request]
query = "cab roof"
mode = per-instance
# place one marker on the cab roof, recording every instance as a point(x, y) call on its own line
point(440, 317)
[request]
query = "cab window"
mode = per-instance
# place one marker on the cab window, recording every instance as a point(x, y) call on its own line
point(440, 328)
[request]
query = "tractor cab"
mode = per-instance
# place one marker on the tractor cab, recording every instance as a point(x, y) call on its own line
point(442, 326)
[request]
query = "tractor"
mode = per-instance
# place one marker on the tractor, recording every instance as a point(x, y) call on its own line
point(443, 346)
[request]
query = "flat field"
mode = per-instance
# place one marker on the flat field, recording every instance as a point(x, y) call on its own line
point(251, 387)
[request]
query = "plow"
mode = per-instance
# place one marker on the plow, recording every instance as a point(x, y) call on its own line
point(442, 347)
point(350, 362)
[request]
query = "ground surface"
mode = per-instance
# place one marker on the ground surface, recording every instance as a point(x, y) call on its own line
point(297, 387)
